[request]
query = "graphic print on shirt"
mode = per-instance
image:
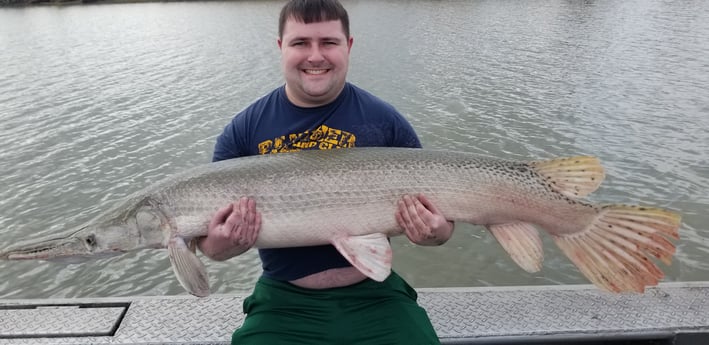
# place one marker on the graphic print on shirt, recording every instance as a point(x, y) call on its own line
point(323, 138)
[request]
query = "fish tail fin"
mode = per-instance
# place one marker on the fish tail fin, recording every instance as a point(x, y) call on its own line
point(614, 250)
point(574, 177)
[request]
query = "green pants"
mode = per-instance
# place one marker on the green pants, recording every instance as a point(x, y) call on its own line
point(365, 313)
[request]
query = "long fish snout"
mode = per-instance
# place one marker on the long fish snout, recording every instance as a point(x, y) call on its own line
point(49, 249)
point(74, 247)
point(86, 242)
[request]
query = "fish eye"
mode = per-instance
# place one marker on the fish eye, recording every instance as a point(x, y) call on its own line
point(90, 240)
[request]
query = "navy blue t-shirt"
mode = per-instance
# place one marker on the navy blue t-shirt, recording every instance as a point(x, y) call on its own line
point(273, 124)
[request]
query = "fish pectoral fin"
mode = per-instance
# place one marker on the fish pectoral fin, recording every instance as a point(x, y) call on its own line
point(614, 251)
point(574, 177)
point(522, 242)
point(370, 254)
point(190, 271)
point(192, 246)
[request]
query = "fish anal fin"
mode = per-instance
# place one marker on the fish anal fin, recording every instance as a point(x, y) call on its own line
point(190, 271)
point(370, 254)
point(615, 251)
point(574, 177)
point(522, 243)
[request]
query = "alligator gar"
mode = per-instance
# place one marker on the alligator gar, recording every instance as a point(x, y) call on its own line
point(348, 198)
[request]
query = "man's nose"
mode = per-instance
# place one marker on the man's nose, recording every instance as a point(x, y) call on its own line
point(315, 53)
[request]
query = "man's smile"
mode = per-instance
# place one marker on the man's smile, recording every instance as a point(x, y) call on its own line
point(315, 71)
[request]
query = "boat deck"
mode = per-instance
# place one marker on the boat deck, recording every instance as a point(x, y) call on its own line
point(672, 313)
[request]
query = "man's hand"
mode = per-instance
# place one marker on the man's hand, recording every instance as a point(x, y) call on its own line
point(232, 230)
point(423, 222)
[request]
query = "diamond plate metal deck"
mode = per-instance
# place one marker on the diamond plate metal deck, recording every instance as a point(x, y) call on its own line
point(20, 321)
point(503, 315)
point(540, 314)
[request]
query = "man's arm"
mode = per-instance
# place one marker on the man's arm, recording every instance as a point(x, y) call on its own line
point(232, 230)
point(422, 221)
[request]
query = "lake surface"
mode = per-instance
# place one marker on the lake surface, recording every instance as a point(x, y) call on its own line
point(97, 101)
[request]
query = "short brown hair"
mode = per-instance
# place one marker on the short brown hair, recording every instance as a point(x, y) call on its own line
point(314, 11)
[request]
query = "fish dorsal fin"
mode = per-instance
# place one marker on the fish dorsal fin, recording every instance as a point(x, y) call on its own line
point(574, 177)
point(522, 242)
point(189, 270)
point(370, 254)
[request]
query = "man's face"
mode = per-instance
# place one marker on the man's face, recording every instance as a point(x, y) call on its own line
point(314, 58)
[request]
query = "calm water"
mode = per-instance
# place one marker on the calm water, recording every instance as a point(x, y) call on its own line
point(98, 101)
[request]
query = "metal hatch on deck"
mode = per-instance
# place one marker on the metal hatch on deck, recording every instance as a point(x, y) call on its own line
point(24, 321)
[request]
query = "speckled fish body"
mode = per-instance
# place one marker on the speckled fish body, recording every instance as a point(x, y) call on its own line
point(348, 198)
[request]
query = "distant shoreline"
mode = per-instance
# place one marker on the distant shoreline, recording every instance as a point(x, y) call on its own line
point(28, 3)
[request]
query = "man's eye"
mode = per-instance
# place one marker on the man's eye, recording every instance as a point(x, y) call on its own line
point(297, 44)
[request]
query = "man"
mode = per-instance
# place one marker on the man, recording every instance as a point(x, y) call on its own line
point(312, 295)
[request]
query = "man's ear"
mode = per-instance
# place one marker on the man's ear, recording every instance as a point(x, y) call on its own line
point(280, 43)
